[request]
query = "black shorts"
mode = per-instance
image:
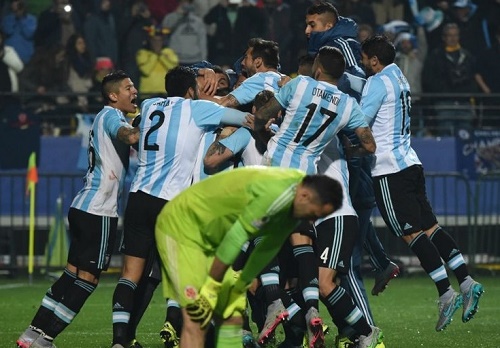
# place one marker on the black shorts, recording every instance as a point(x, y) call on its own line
point(335, 242)
point(402, 201)
point(92, 240)
point(139, 224)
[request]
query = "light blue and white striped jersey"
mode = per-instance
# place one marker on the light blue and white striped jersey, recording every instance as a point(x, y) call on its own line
point(386, 102)
point(258, 82)
point(171, 133)
point(108, 163)
point(199, 169)
point(243, 142)
point(315, 112)
point(332, 163)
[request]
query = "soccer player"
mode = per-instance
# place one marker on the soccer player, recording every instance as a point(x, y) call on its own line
point(316, 110)
point(324, 26)
point(260, 62)
point(171, 132)
point(236, 142)
point(93, 215)
point(208, 223)
point(399, 182)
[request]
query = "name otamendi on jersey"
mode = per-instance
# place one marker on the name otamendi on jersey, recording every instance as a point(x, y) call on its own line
point(326, 95)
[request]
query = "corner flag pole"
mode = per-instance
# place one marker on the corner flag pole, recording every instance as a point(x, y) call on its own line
point(31, 180)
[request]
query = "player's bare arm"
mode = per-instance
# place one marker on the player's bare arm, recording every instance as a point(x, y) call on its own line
point(367, 144)
point(217, 153)
point(128, 135)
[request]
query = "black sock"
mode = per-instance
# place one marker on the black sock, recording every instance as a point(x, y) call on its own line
point(71, 304)
point(52, 298)
point(341, 307)
point(143, 295)
point(430, 260)
point(174, 316)
point(308, 274)
point(450, 253)
point(123, 302)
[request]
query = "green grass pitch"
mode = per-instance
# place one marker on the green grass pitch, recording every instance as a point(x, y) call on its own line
point(406, 312)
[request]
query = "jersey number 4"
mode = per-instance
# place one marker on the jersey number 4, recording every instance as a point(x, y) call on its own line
point(324, 112)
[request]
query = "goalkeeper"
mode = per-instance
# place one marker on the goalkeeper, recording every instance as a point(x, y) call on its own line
point(200, 233)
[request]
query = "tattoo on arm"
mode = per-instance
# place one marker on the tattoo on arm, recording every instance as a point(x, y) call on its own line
point(215, 149)
point(128, 135)
point(230, 101)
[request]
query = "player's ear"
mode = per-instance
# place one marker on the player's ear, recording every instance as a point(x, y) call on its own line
point(113, 97)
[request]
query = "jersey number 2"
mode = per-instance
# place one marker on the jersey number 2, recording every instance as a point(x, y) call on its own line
point(154, 128)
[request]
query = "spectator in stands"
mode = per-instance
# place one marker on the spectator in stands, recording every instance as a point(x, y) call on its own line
point(154, 61)
point(100, 32)
point(388, 10)
point(80, 68)
point(474, 35)
point(102, 67)
point(488, 79)
point(364, 32)
point(411, 51)
point(160, 8)
point(250, 23)
point(278, 20)
point(220, 35)
point(361, 11)
point(432, 21)
point(19, 27)
point(133, 38)
point(450, 69)
point(10, 66)
point(43, 77)
point(56, 24)
point(188, 34)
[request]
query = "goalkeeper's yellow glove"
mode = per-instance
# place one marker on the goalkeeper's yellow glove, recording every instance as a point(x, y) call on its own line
point(237, 300)
point(202, 309)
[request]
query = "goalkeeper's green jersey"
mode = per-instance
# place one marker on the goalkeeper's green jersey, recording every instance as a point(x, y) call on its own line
point(259, 198)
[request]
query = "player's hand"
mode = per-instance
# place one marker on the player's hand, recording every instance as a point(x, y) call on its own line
point(227, 131)
point(249, 121)
point(349, 148)
point(237, 299)
point(202, 309)
point(210, 82)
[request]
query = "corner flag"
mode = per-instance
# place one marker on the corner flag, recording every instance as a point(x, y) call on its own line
point(31, 180)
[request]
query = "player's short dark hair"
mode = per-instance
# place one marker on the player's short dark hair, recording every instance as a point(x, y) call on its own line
point(262, 98)
point(332, 60)
point(321, 7)
point(267, 50)
point(111, 83)
point(328, 190)
point(381, 47)
point(178, 80)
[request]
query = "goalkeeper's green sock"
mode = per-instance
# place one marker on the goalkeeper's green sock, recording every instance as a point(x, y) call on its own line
point(229, 336)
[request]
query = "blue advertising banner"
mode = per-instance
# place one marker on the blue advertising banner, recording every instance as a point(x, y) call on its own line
point(478, 152)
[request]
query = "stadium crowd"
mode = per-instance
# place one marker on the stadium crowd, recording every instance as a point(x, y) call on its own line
point(332, 143)
point(67, 46)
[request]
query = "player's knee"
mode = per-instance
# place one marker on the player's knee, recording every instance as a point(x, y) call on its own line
point(90, 275)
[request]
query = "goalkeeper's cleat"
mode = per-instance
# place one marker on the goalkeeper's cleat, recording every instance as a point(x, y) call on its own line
point(28, 337)
point(169, 336)
point(248, 340)
point(42, 342)
point(370, 341)
point(343, 342)
point(315, 336)
point(134, 344)
point(447, 309)
point(383, 277)
point(470, 299)
point(276, 313)
point(380, 343)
